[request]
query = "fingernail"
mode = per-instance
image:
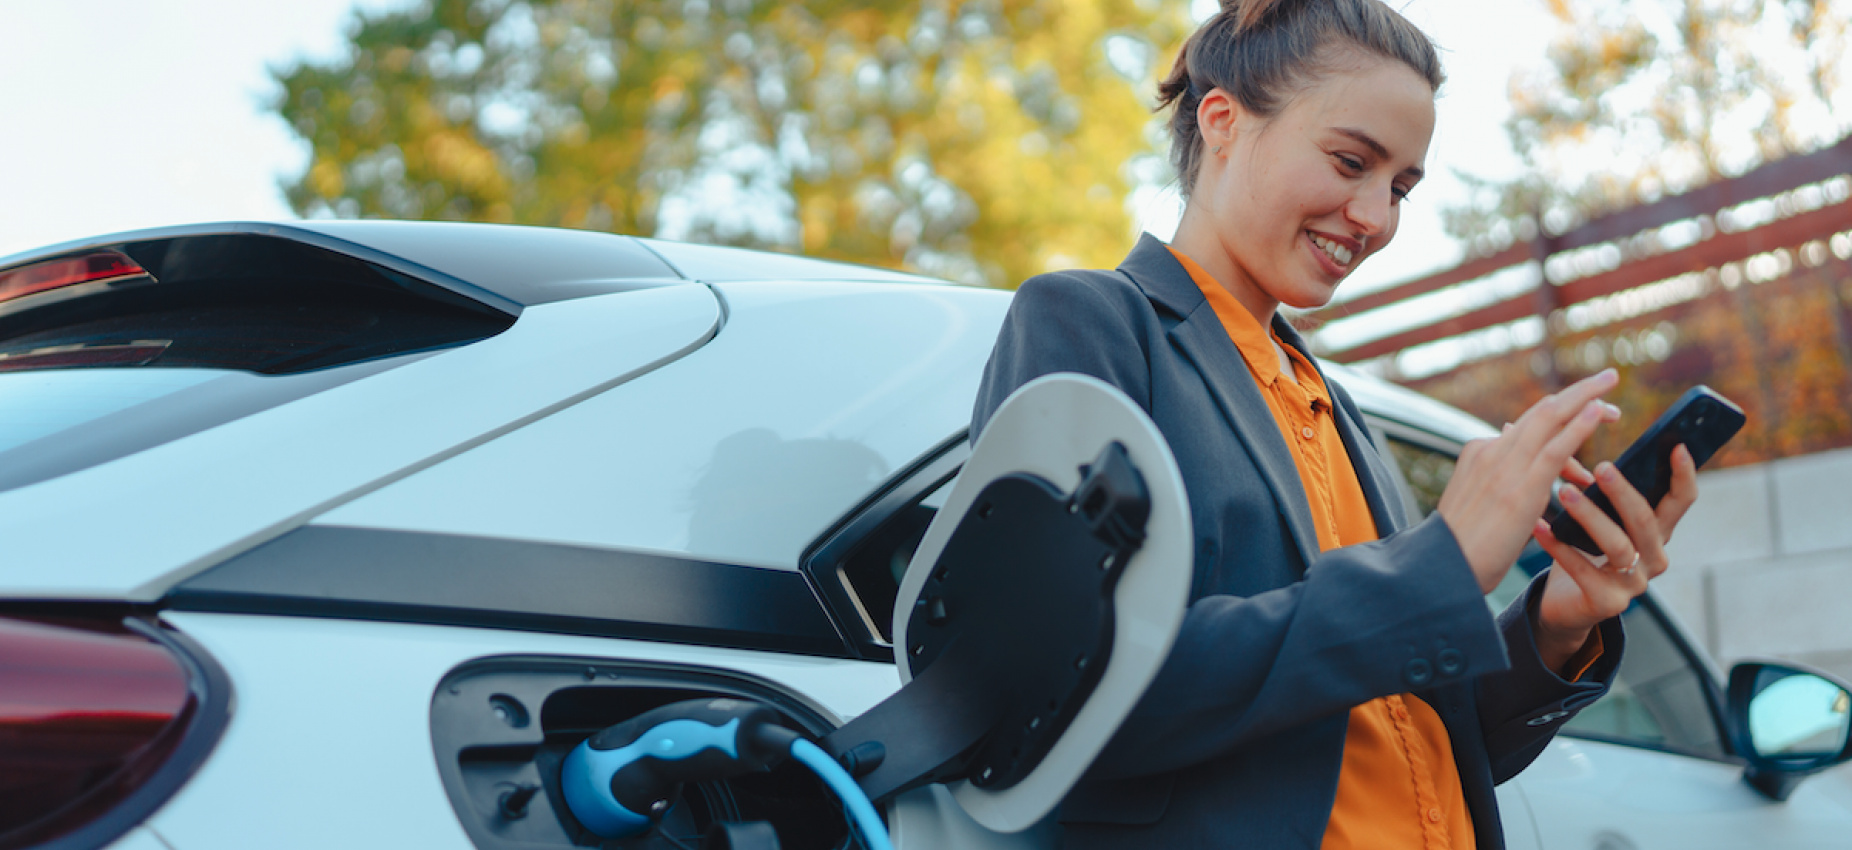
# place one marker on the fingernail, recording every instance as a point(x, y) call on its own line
point(1611, 410)
point(1569, 494)
point(1605, 471)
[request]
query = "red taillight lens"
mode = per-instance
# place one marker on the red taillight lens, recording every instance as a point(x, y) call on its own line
point(88, 711)
point(66, 271)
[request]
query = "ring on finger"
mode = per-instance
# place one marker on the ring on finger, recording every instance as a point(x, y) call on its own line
point(1628, 570)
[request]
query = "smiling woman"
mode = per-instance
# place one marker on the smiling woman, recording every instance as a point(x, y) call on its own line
point(1337, 674)
point(1285, 206)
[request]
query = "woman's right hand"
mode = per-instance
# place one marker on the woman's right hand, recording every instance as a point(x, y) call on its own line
point(1500, 486)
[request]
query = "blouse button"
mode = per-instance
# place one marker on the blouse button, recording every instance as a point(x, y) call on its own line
point(1434, 814)
point(1306, 432)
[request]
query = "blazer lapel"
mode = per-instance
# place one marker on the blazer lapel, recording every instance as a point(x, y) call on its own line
point(1200, 338)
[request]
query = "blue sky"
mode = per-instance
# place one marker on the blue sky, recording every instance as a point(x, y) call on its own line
point(122, 114)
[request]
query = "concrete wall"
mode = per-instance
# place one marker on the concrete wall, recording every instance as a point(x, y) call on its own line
point(1762, 566)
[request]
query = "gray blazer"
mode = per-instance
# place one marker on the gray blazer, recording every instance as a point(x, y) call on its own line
point(1239, 740)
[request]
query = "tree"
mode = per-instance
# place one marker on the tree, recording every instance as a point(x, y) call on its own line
point(985, 140)
point(1657, 97)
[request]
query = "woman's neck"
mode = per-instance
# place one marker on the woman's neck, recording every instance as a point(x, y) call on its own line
point(1197, 239)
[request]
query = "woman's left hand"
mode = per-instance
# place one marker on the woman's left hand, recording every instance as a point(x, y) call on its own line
point(1580, 593)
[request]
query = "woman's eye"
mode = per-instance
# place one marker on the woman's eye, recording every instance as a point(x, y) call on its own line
point(1349, 162)
point(1399, 193)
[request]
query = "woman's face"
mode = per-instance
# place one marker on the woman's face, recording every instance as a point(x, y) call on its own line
point(1293, 203)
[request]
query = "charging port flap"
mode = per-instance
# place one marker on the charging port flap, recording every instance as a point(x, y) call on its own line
point(1038, 607)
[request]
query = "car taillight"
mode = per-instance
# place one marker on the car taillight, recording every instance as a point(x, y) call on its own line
point(58, 273)
point(91, 711)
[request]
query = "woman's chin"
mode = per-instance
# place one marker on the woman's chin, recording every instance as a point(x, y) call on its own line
point(1311, 298)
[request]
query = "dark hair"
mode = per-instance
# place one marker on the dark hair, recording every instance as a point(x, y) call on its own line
point(1264, 51)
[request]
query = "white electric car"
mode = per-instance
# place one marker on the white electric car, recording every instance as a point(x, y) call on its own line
point(343, 534)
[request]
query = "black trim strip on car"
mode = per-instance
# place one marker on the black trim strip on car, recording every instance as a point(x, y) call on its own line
point(826, 560)
point(447, 579)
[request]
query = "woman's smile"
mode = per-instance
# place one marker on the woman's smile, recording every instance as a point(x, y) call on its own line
point(1339, 254)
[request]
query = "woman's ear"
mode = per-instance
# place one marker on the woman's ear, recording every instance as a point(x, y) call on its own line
point(1216, 118)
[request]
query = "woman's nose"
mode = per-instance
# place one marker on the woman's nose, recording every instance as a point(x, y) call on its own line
point(1372, 210)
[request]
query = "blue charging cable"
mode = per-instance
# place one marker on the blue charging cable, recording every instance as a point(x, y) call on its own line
point(861, 811)
point(619, 782)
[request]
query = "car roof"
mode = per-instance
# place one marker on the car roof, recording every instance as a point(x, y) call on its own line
point(512, 266)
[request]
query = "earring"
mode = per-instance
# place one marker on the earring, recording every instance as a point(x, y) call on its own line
point(1215, 151)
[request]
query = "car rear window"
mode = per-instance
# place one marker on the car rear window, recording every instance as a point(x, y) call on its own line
point(35, 405)
point(118, 348)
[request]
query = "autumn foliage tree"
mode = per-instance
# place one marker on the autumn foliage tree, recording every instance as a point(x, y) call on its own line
point(1644, 99)
point(985, 140)
point(1653, 98)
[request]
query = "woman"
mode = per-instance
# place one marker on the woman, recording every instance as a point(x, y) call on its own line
point(1338, 681)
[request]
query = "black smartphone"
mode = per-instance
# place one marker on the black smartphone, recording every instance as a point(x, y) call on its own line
point(1701, 419)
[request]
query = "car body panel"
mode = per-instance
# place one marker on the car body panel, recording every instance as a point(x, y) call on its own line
point(718, 264)
point(783, 437)
point(1514, 812)
point(182, 506)
point(1606, 795)
point(297, 763)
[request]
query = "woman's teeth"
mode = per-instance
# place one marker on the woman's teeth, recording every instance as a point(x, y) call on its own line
point(1338, 253)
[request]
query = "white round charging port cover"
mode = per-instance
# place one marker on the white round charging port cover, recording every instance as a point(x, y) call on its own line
point(1050, 427)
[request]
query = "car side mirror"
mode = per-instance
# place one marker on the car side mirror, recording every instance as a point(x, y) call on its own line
point(1788, 722)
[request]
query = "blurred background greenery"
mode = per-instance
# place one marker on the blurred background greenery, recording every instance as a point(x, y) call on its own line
point(989, 140)
point(979, 141)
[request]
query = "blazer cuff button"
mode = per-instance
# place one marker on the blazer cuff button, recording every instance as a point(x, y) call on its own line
point(1547, 717)
point(1418, 671)
point(1451, 662)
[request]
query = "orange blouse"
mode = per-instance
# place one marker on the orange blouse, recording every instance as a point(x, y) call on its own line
point(1398, 786)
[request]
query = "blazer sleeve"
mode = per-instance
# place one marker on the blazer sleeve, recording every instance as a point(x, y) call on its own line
point(1521, 709)
point(1400, 614)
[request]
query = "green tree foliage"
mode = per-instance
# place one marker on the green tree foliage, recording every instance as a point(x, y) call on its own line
point(984, 140)
point(1656, 97)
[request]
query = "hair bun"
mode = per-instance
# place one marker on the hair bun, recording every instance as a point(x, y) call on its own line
point(1249, 13)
